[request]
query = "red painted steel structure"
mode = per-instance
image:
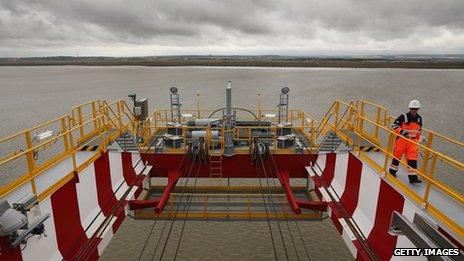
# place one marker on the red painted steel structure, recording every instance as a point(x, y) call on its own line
point(173, 177)
point(313, 204)
point(140, 204)
point(284, 179)
point(237, 166)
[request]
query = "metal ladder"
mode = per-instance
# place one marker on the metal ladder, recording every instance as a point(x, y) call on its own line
point(215, 165)
point(175, 107)
point(127, 142)
point(330, 143)
point(283, 107)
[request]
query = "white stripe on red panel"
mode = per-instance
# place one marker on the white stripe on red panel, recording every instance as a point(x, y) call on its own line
point(341, 166)
point(321, 159)
point(106, 237)
point(364, 215)
point(89, 210)
point(348, 237)
point(135, 159)
point(118, 182)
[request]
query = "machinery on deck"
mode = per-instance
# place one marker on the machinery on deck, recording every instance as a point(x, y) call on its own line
point(241, 144)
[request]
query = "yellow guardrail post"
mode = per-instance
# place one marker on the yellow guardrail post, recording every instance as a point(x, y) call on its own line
point(94, 114)
point(30, 160)
point(73, 155)
point(313, 133)
point(361, 119)
point(426, 155)
point(66, 136)
point(385, 119)
point(81, 127)
point(377, 120)
point(119, 117)
point(302, 116)
point(337, 116)
point(391, 141)
point(429, 183)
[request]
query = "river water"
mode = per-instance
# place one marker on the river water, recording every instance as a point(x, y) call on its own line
point(31, 95)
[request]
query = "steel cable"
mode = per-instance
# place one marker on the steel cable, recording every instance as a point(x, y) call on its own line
point(177, 210)
point(154, 223)
point(273, 206)
point(267, 214)
point(296, 223)
point(286, 221)
point(186, 214)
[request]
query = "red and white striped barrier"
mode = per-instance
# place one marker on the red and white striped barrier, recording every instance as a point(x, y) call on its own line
point(97, 197)
point(361, 204)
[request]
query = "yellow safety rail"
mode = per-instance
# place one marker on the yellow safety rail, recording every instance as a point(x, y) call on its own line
point(105, 123)
point(299, 119)
point(371, 122)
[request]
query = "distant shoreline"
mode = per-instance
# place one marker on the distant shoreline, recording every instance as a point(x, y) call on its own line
point(239, 62)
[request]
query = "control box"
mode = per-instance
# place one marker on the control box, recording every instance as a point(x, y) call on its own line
point(141, 109)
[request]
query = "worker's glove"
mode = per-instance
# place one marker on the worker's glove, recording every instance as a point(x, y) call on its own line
point(405, 133)
point(422, 139)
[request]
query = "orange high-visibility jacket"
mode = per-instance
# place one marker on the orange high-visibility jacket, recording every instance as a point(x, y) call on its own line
point(406, 122)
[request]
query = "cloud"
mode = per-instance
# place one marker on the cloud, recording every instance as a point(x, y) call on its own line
point(149, 27)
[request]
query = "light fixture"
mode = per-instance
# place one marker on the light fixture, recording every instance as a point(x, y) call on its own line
point(269, 115)
point(187, 115)
point(173, 90)
point(40, 136)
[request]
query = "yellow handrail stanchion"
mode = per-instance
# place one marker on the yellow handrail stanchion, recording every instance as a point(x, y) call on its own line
point(377, 120)
point(79, 115)
point(73, 155)
point(337, 112)
point(30, 160)
point(65, 137)
point(94, 114)
point(391, 141)
point(429, 183)
point(361, 120)
point(425, 160)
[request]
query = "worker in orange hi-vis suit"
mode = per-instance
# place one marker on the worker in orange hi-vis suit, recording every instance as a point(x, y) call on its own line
point(409, 125)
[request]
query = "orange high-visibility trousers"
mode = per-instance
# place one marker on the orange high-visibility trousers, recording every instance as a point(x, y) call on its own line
point(405, 146)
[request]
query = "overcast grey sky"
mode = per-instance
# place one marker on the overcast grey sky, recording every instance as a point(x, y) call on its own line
point(305, 27)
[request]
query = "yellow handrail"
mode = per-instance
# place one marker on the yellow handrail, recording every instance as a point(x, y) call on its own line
point(71, 145)
point(31, 129)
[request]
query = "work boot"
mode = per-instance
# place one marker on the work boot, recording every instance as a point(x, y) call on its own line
point(413, 179)
point(392, 172)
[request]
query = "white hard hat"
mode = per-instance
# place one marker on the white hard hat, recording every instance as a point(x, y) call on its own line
point(414, 104)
